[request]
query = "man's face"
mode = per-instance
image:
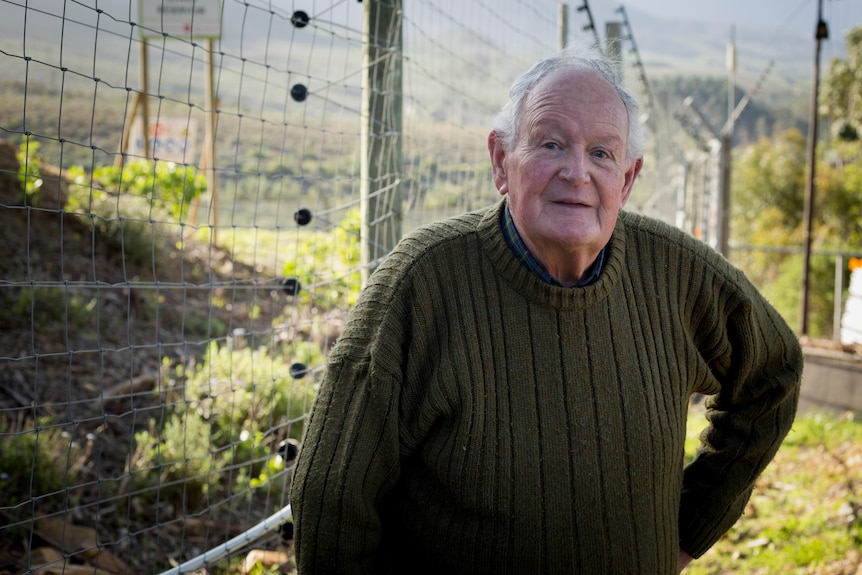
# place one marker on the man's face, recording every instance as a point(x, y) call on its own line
point(566, 175)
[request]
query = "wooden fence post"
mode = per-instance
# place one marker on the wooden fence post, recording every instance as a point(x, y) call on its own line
point(380, 153)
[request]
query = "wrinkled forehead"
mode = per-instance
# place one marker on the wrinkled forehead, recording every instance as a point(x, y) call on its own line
point(575, 89)
point(575, 84)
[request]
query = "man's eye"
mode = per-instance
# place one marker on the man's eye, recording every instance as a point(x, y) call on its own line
point(551, 146)
point(601, 154)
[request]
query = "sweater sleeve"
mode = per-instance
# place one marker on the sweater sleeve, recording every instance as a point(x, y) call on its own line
point(350, 458)
point(758, 370)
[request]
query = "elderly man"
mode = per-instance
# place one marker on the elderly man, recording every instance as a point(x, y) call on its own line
point(510, 394)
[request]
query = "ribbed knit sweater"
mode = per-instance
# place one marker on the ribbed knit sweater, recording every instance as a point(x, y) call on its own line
point(474, 419)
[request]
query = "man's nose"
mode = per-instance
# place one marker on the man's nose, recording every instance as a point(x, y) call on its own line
point(574, 167)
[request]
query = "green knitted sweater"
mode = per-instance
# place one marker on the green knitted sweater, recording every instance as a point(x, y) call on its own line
point(474, 419)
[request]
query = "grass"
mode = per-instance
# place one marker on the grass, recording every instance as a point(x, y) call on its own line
point(804, 515)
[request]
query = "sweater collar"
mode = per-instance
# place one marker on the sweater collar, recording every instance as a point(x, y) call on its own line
point(530, 285)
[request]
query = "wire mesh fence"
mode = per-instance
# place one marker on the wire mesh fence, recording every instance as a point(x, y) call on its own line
point(180, 208)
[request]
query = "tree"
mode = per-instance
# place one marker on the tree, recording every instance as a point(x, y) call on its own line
point(840, 175)
point(768, 178)
point(769, 183)
point(841, 96)
point(766, 212)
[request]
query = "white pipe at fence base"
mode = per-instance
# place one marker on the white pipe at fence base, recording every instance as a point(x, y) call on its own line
point(268, 525)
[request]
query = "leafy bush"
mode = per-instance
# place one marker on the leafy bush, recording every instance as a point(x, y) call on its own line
point(251, 390)
point(46, 306)
point(36, 460)
point(177, 458)
point(232, 409)
point(334, 255)
point(167, 188)
point(126, 205)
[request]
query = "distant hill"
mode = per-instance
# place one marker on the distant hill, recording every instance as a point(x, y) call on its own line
point(681, 47)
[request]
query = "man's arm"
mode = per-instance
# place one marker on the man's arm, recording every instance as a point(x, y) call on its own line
point(759, 376)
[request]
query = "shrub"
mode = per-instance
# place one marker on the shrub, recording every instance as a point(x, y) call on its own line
point(336, 256)
point(126, 204)
point(166, 188)
point(36, 460)
point(231, 411)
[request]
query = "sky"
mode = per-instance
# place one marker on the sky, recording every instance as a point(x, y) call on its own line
point(793, 16)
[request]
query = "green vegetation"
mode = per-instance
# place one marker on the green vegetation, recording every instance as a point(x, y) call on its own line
point(30, 172)
point(840, 96)
point(128, 205)
point(50, 307)
point(166, 187)
point(37, 460)
point(804, 515)
point(339, 255)
point(223, 412)
point(223, 417)
point(768, 194)
point(767, 211)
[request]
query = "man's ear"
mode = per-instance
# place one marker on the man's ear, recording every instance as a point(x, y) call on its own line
point(630, 176)
point(498, 157)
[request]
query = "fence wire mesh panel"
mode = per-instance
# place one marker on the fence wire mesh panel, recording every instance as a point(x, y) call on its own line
point(181, 191)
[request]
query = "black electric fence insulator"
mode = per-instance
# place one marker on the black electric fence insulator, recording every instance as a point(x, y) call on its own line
point(291, 286)
point(288, 450)
point(299, 92)
point(298, 370)
point(299, 19)
point(302, 216)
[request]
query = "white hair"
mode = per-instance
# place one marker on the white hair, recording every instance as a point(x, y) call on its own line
point(507, 122)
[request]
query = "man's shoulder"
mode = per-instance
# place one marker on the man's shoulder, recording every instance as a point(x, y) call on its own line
point(436, 244)
point(645, 232)
point(659, 230)
point(418, 262)
point(433, 237)
point(651, 225)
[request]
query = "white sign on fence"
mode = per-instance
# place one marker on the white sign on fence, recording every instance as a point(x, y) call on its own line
point(182, 18)
point(171, 139)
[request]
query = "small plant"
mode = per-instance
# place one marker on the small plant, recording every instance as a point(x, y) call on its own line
point(235, 405)
point(29, 171)
point(36, 460)
point(126, 204)
point(166, 188)
point(335, 256)
point(49, 305)
point(177, 459)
